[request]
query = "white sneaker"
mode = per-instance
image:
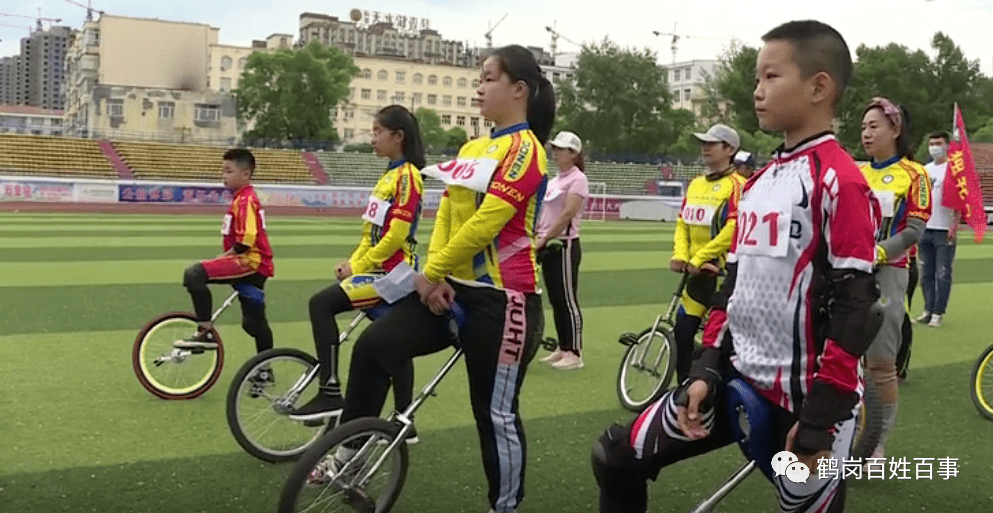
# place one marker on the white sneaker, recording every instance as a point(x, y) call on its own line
point(935, 321)
point(877, 454)
point(568, 361)
point(554, 357)
point(924, 318)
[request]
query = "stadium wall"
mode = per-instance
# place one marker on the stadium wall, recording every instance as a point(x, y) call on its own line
point(43, 194)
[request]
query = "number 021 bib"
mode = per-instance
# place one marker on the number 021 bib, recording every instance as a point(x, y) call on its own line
point(375, 211)
point(764, 229)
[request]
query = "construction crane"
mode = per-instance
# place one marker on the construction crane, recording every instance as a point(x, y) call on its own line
point(38, 18)
point(89, 8)
point(676, 37)
point(555, 37)
point(489, 33)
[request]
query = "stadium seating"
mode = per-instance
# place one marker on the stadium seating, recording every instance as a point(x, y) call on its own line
point(53, 156)
point(159, 161)
point(363, 169)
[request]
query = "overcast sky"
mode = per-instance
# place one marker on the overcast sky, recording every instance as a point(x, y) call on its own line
point(629, 22)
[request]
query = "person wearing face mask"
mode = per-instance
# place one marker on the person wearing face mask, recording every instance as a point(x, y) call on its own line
point(937, 247)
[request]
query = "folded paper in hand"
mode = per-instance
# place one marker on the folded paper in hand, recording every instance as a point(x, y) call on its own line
point(396, 284)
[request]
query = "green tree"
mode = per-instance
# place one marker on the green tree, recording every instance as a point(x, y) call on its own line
point(733, 81)
point(983, 134)
point(927, 87)
point(621, 101)
point(432, 133)
point(289, 93)
point(455, 137)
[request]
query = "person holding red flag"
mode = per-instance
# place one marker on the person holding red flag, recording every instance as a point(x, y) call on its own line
point(963, 193)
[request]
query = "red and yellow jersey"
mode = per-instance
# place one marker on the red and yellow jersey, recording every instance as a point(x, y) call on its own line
point(903, 190)
point(390, 221)
point(485, 227)
point(707, 219)
point(245, 224)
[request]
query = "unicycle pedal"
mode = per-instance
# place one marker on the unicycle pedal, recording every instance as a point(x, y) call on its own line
point(628, 339)
point(549, 344)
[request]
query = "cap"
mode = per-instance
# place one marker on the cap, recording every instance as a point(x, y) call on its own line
point(720, 133)
point(568, 140)
point(744, 157)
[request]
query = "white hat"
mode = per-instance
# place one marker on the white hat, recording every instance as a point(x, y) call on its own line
point(743, 157)
point(568, 140)
point(721, 133)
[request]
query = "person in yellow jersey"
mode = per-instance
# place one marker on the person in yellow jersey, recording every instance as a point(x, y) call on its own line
point(703, 235)
point(389, 225)
point(904, 193)
point(482, 254)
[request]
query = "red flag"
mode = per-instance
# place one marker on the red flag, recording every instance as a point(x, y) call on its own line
point(961, 190)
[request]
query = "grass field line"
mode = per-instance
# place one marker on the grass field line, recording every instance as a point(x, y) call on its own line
point(111, 272)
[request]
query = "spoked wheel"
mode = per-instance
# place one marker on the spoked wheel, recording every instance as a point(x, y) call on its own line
point(355, 467)
point(262, 393)
point(647, 368)
point(982, 383)
point(169, 372)
point(869, 424)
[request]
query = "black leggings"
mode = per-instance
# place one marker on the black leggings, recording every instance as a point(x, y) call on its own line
point(561, 271)
point(324, 306)
point(499, 340)
point(253, 318)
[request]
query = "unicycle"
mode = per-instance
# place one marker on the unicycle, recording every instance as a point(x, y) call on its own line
point(981, 388)
point(169, 372)
point(650, 359)
point(361, 465)
point(264, 391)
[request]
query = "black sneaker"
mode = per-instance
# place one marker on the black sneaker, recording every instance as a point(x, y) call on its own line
point(202, 339)
point(260, 380)
point(321, 406)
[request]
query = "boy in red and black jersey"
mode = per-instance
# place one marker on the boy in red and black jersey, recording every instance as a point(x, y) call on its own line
point(804, 246)
point(247, 259)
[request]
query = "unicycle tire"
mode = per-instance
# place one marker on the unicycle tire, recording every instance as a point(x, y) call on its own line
point(170, 373)
point(655, 368)
point(258, 409)
point(367, 435)
point(981, 389)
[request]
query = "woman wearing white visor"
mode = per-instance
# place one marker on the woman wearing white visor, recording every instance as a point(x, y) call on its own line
point(560, 219)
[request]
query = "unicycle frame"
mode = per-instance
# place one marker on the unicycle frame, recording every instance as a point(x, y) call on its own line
point(285, 403)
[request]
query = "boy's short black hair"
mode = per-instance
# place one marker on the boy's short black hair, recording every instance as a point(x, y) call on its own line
point(817, 47)
point(941, 134)
point(243, 157)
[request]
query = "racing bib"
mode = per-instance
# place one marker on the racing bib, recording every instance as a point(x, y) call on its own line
point(552, 194)
point(700, 215)
point(473, 174)
point(226, 224)
point(375, 211)
point(764, 230)
point(887, 202)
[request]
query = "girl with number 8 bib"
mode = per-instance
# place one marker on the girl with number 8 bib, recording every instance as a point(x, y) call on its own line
point(389, 224)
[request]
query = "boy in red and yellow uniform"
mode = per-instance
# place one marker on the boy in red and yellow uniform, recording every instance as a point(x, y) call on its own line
point(246, 261)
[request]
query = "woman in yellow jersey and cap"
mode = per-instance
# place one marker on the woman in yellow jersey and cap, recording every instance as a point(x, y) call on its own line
point(703, 235)
point(904, 194)
point(482, 253)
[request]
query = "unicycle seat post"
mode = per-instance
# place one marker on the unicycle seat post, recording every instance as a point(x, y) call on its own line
point(224, 306)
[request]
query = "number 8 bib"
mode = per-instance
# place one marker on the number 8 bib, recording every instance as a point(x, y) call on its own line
point(375, 211)
point(764, 230)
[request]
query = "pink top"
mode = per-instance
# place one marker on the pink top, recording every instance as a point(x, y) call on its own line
point(571, 181)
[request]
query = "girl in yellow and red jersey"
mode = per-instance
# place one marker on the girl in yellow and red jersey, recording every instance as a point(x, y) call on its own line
point(703, 235)
point(904, 194)
point(482, 253)
point(388, 229)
